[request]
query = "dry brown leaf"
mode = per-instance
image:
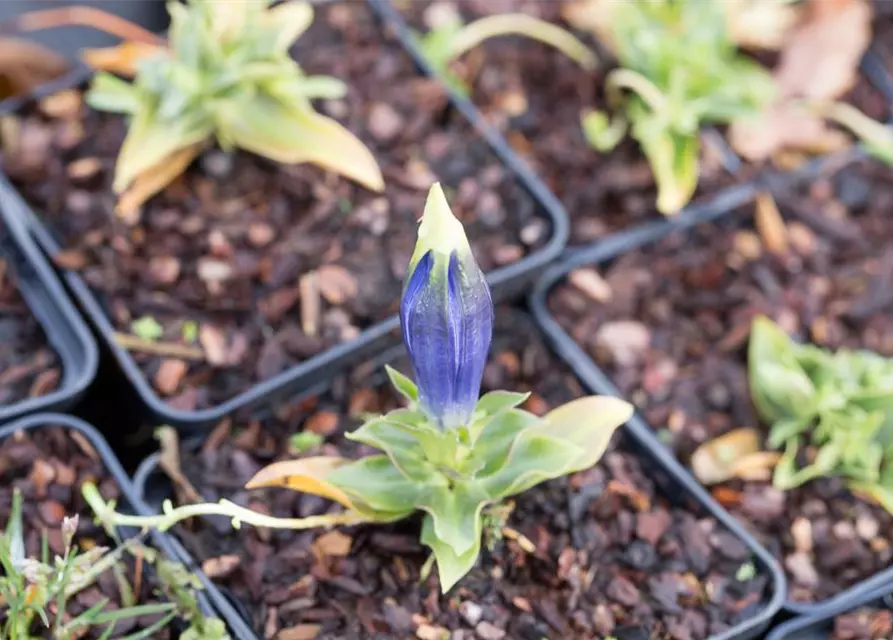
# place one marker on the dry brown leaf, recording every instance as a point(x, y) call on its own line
point(819, 61)
point(784, 126)
point(121, 59)
point(154, 179)
point(770, 224)
point(26, 65)
point(821, 55)
point(735, 454)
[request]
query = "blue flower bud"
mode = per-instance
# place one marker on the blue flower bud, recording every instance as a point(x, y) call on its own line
point(446, 315)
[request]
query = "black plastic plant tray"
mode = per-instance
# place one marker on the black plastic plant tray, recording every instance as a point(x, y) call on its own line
point(66, 331)
point(154, 487)
point(506, 282)
point(130, 498)
point(594, 378)
point(821, 626)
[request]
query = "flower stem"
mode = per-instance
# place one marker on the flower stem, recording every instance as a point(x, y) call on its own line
point(171, 515)
point(620, 79)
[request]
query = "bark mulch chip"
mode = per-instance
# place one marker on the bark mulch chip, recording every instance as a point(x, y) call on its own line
point(670, 324)
point(611, 555)
point(262, 266)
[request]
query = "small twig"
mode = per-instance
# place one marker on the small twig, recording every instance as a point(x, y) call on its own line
point(523, 541)
point(164, 349)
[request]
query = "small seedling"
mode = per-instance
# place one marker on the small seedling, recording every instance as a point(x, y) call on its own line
point(147, 328)
point(35, 593)
point(305, 440)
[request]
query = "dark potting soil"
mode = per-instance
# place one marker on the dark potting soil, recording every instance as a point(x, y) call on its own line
point(28, 365)
point(865, 623)
point(670, 324)
point(612, 556)
point(274, 263)
point(48, 466)
point(535, 95)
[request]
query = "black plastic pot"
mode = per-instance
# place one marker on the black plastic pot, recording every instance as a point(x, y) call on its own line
point(154, 487)
point(819, 627)
point(65, 330)
point(69, 40)
point(130, 500)
point(599, 382)
point(506, 282)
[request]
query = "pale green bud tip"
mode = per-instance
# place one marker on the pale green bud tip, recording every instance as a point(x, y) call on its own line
point(440, 231)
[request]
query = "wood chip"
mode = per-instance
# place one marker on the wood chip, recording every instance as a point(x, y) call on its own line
point(310, 307)
point(213, 342)
point(221, 566)
point(323, 422)
point(336, 284)
point(332, 544)
point(169, 375)
point(589, 281)
point(84, 168)
point(770, 224)
point(300, 632)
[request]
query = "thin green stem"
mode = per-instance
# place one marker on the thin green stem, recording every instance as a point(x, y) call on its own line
point(171, 515)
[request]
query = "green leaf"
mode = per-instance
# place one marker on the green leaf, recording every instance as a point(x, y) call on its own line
point(110, 93)
point(456, 513)
point(497, 434)
point(376, 485)
point(404, 386)
point(409, 448)
point(290, 20)
point(451, 567)
point(785, 429)
point(779, 387)
point(534, 458)
point(147, 328)
point(495, 402)
point(190, 332)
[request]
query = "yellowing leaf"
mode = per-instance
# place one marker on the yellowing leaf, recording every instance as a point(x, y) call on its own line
point(758, 24)
point(291, 19)
point(121, 59)
point(587, 422)
point(307, 475)
point(156, 178)
point(294, 134)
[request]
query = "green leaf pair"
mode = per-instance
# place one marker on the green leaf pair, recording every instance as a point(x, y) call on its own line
point(452, 475)
point(228, 74)
point(841, 403)
point(678, 70)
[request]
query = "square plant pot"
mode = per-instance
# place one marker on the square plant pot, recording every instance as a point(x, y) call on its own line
point(48, 456)
point(311, 266)
point(612, 545)
point(869, 616)
point(49, 357)
point(664, 319)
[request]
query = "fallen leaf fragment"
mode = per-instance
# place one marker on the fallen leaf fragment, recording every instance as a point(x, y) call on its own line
point(221, 566)
point(735, 454)
point(300, 632)
point(169, 461)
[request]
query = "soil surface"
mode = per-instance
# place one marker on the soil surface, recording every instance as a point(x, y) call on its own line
point(534, 95)
point(274, 264)
point(612, 556)
point(865, 623)
point(49, 466)
point(670, 325)
point(28, 365)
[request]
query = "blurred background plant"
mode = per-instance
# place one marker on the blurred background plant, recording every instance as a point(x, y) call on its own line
point(36, 593)
point(225, 74)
